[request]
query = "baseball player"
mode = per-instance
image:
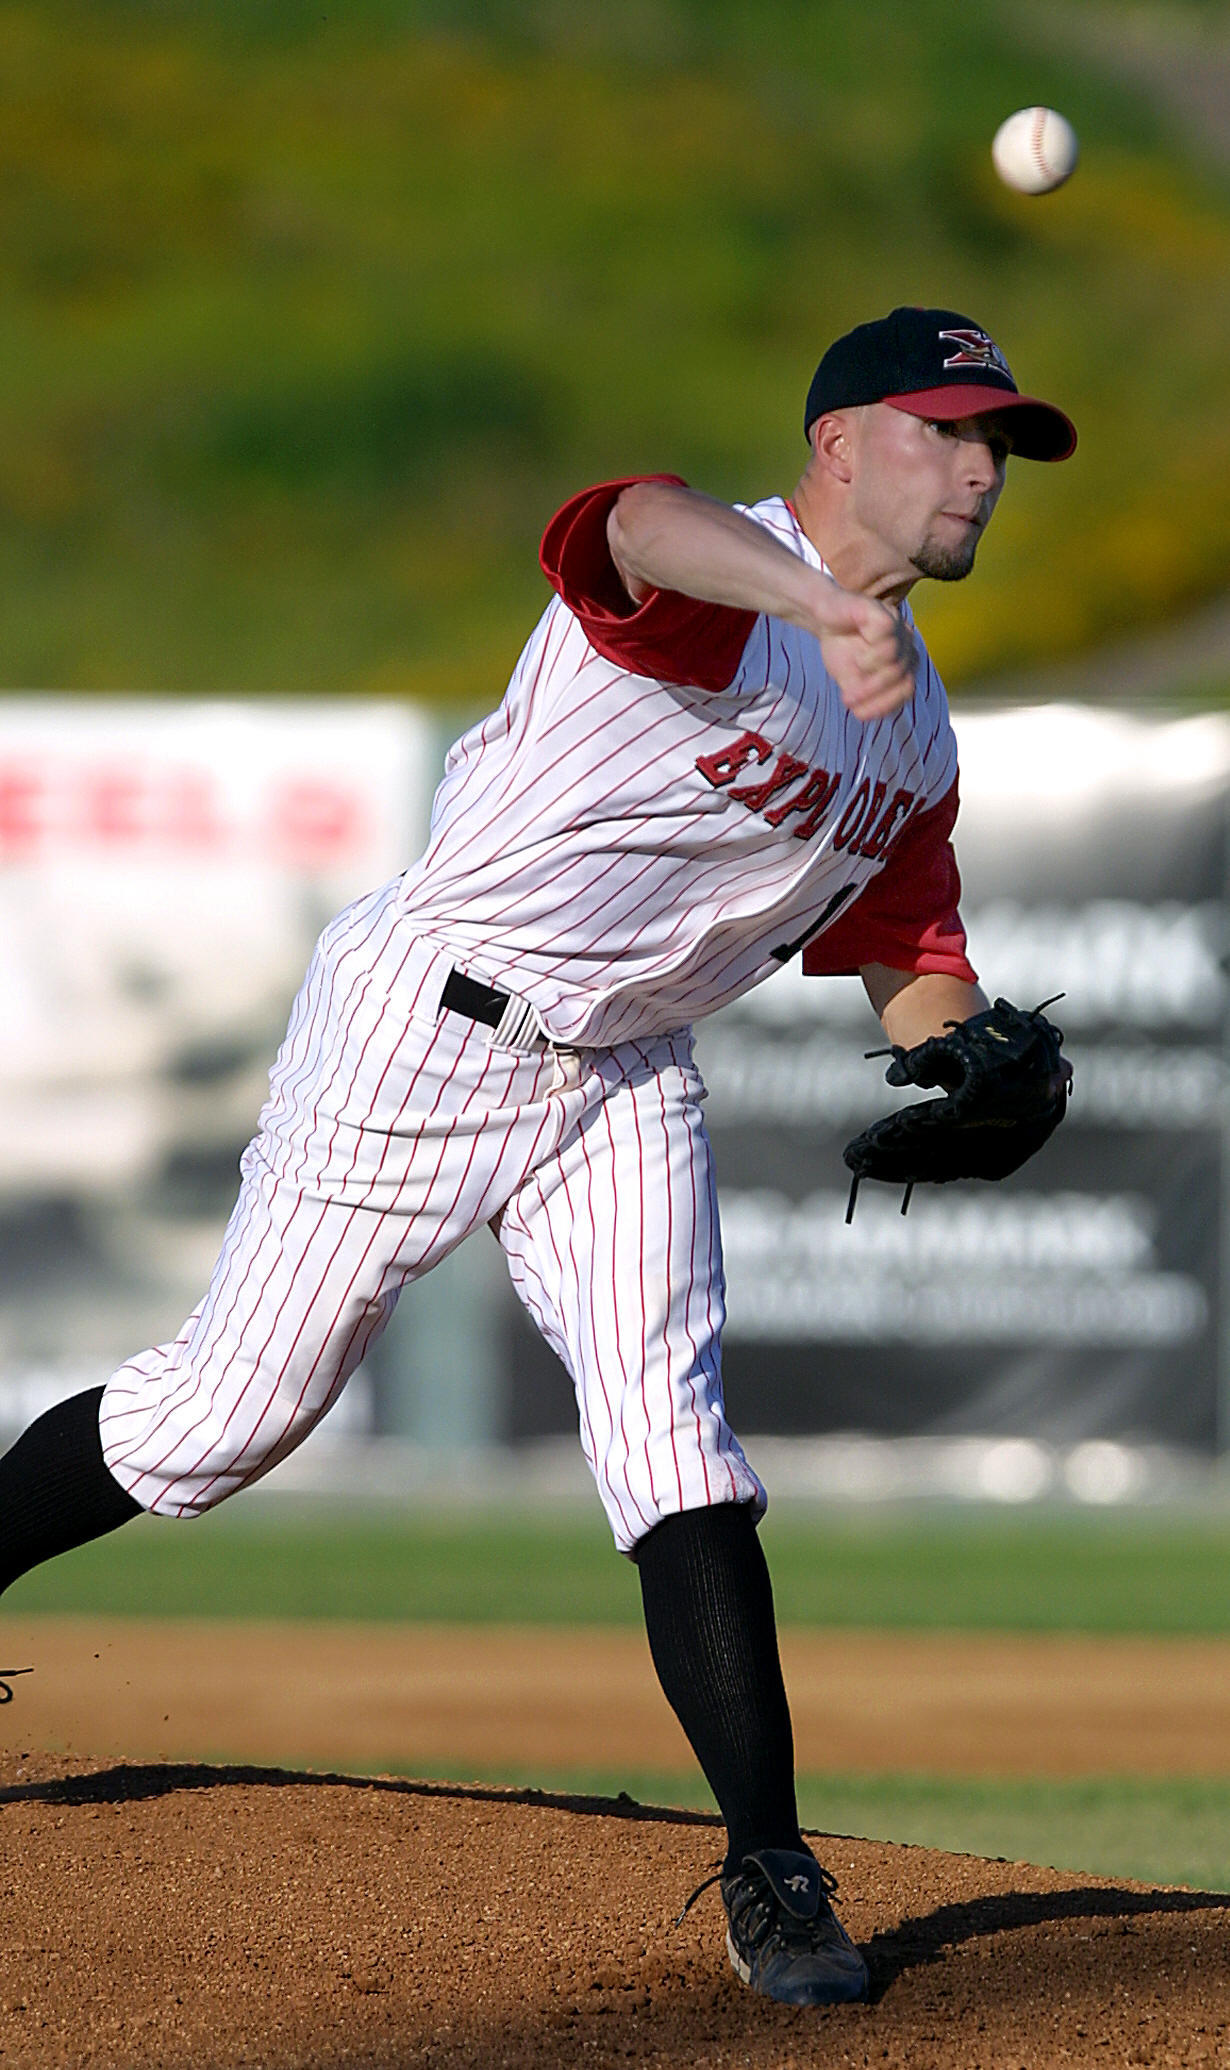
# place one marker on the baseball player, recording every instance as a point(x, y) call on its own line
point(724, 745)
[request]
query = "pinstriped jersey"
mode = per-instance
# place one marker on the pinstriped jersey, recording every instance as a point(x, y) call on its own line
point(672, 800)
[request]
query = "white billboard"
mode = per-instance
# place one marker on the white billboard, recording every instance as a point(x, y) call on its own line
point(164, 871)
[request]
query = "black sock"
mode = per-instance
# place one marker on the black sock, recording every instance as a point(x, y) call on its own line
point(709, 1615)
point(55, 1488)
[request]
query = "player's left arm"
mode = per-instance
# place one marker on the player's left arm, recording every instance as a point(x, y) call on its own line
point(913, 1005)
point(1004, 1079)
point(903, 934)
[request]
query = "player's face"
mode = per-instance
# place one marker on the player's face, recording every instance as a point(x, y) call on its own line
point(925, 489)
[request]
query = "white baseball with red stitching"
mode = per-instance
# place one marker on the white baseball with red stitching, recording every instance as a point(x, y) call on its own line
point(1035, 150)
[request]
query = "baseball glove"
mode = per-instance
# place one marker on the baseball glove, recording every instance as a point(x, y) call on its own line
point(1005, 1087)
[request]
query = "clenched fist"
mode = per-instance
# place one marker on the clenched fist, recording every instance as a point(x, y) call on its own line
point(869, 650)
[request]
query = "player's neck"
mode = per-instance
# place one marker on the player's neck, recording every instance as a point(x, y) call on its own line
point(853, 558)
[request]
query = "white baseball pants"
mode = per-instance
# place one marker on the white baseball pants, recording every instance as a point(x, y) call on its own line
point(392, 1131)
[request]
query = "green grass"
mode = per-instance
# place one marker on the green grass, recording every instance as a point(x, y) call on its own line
point(1154, 1831)
point(1141, 1572)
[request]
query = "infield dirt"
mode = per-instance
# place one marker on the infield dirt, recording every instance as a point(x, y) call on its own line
point(467, 1699)
point(219, 1917)
point(182, 1913)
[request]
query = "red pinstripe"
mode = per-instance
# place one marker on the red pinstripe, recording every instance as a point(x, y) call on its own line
point(500, 1191)
point(518, 687)
point(691, 1279)
point(526, 1279)
point(444, 1189)
point(703, 978)
point(187, 1386)
point(325, 1337)
point(329, 1083)
point(366, 1321)
point(571, 748)
point(277, 1257)
point(581, 1311)
point(709, 1280)
point(235, 1253)
point(682, 865)
point(615, 1315)
point(606, 1471)
point(593, 805)
point(671, 895)
point(658, 893)
point(346, 1365)
point(649, 1423)
point(452, 1207)
point(150, 1472)
point(322, 1279)
point(289, 1083)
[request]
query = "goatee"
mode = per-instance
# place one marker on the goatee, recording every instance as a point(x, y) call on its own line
point(946, 563)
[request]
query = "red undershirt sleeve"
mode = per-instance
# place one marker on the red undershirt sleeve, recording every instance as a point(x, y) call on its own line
point(907, 917)
point(669, 637)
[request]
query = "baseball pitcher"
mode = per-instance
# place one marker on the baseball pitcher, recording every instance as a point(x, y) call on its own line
point(724, 745)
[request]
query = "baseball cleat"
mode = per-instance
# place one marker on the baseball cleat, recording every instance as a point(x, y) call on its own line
point(783, 1936)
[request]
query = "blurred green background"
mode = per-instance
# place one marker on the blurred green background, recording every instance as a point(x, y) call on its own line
point(310, 316)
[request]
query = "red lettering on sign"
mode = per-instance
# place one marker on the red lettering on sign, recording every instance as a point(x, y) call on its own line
point(311, 821)
point(191, 807)
point(21, 822)
point(111, 806)
point(723, 767)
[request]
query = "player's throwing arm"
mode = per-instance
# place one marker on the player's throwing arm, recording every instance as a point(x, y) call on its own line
point(663, 537)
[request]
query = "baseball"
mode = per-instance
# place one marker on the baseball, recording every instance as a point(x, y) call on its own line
point(1035, 150)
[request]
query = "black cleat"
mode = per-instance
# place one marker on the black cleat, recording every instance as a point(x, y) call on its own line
point(783, 1936)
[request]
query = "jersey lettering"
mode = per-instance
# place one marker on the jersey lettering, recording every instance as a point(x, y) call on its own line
point(860, 808)
point(757, 795)
point(866, 827)
point(723, 767)
point(875, 841)
point(814, 799)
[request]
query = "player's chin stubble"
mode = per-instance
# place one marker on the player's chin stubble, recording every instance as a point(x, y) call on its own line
point(945, 563)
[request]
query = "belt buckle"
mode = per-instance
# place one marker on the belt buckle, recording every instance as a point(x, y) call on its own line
point(519, 1028)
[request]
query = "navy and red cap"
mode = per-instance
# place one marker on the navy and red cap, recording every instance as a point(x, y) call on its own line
point(934, 363)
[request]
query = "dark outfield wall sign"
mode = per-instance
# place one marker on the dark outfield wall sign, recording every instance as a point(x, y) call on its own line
point(1079, 1299)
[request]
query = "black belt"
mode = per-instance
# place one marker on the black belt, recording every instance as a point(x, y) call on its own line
point(476, 1001)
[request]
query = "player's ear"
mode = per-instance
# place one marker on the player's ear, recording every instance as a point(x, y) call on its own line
point(832, 445)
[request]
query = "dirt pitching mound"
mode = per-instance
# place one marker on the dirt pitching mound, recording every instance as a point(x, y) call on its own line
point(206, 1916)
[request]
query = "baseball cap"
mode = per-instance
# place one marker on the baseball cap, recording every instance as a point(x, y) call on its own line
point(934, 363)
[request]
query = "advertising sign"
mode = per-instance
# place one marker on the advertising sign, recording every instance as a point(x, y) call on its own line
point(164, 871)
